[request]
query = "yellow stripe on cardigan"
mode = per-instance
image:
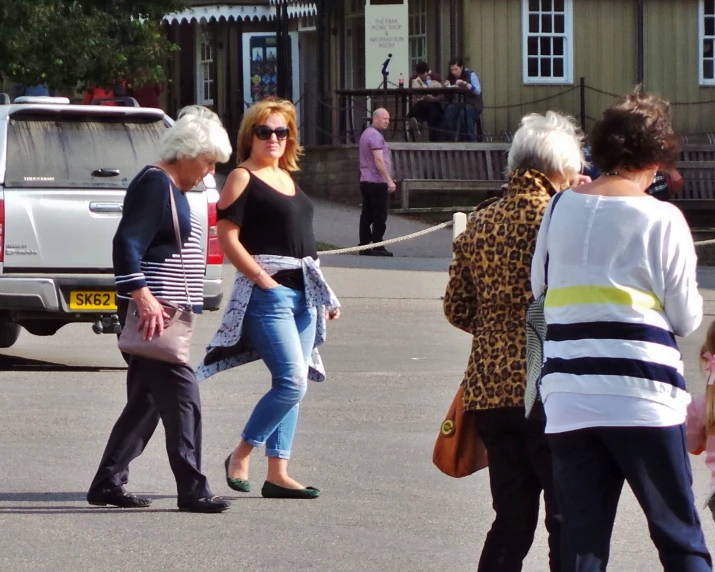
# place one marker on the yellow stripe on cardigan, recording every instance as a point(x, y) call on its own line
point(623, 296)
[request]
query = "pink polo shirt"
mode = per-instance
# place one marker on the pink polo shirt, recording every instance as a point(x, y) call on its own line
point(370, 140)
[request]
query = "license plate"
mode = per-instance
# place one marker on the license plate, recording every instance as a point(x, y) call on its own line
point(92, 300)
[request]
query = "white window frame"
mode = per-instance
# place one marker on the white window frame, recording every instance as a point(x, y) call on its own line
point(204, 40)
point(417, 22)
point(567, 78)
point(701, 51)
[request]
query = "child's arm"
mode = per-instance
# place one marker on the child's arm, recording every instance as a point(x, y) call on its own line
point(695, 428)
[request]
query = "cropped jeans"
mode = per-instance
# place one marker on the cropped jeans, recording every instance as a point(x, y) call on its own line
point(282, 330)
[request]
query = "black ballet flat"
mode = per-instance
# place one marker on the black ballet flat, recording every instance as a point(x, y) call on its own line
point(271, 491)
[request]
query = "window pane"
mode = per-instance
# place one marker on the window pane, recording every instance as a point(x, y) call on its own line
point(559, 6)
point(559, 46)
point(66, 150)
point(545, 44)
point(533, 5)
point(532, 46)
point(546, 23)
point(710, 26)
point(710, 6)
point(559, 24)
point(533, 24)
point(708, 69)
point(559, 67)
point(545, 67)
point(533, 67)
point(546, 5)
point(708, 48)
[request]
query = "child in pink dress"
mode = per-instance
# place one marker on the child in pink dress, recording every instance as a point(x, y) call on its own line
point(700, 425)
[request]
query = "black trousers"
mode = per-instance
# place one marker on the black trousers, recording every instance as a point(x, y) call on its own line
point(432, 112)
point(156, 390)
point(519, 470)
point(590, 467)
point(373, 217)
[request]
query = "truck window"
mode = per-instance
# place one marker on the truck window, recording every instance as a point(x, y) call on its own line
point(77, 152)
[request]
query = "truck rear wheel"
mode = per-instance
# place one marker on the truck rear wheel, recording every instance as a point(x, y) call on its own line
point(9, 332)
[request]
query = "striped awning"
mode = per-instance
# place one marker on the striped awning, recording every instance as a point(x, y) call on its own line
point(297, 9)
point(233, 13)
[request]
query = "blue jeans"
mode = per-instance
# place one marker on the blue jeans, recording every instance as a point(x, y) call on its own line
point(455, 116)
point(590, 468)
point(282, 329)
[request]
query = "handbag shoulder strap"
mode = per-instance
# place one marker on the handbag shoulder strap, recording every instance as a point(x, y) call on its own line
point(177, 232)
point(556, 198)
point(175, 218)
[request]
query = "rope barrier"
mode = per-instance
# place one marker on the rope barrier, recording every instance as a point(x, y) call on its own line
point(353, 249)
point(541, 100)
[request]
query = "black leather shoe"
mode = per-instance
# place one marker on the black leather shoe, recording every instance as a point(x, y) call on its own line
point(381, 251)
point(206, 504)
point(121, 500)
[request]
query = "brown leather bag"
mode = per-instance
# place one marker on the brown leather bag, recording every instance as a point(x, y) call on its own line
point(174, 344)
point(459, 451)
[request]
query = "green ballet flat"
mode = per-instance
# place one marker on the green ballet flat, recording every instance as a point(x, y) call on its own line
point(236, 484)
point(271, 491)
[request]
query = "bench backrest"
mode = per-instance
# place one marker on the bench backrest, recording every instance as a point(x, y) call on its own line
point(697, 166)
point(462, 161)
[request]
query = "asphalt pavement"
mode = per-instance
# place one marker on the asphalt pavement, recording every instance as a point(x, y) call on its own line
point(364, 438)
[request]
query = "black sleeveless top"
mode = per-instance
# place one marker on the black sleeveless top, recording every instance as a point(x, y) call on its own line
point(274, 223)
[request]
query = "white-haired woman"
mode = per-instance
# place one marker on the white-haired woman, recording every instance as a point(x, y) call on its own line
point(146, 262)
point(487, 296)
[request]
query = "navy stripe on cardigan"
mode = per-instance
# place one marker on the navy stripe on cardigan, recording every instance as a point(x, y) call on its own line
point(616, 367)
point(610, 331)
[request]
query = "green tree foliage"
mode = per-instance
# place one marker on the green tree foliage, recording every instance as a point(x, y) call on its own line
point(61, 42)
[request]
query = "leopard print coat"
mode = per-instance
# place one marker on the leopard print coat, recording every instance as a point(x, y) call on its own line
point(489, 289)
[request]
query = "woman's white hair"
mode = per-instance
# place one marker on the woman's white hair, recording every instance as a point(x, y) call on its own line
point(549, 143)
point(197, 131)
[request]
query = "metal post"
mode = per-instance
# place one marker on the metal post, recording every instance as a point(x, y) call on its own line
point(323, 40)
point(583, 104)
point(640, 48)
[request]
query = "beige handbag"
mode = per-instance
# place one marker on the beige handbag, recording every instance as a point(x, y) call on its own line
point(174, 345)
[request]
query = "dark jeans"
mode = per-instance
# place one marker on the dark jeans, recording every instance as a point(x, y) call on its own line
point(519, 469)
point(590, 467)
point(156, 390)
point(461, 118)
point(431, 112)
point(373, 217)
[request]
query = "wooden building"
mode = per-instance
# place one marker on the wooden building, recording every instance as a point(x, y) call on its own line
point(528, 50)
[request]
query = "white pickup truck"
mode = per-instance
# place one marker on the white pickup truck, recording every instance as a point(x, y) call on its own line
point(64, 170)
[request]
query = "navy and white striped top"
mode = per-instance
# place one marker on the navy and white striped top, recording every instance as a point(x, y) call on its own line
point(145, 251)
point(622, 284)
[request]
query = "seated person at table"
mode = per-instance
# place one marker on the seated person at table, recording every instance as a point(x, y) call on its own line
point(460, 116)
point(425, 107)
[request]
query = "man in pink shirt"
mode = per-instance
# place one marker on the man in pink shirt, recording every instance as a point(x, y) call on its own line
point(375, 182)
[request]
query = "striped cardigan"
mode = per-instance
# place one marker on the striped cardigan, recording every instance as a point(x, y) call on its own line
point(622, 285)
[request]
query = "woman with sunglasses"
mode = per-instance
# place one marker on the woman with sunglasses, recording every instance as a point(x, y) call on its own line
point(280, 300)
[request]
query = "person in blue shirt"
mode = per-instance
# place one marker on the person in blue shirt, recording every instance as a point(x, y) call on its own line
point(463, 115)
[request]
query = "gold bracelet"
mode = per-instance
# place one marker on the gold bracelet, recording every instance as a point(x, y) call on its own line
point(258, 276)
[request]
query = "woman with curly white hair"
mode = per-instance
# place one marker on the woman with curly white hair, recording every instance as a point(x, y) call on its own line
point(487, 296)
point(147, 266)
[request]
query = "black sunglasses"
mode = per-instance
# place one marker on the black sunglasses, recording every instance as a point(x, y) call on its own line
point(263, 132)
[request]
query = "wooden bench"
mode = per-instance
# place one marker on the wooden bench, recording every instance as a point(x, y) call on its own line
point(444, 168)
point(697, 199)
